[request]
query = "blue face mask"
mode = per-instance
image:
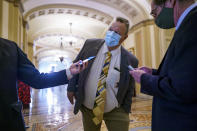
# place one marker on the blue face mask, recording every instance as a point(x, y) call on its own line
point(112, 38)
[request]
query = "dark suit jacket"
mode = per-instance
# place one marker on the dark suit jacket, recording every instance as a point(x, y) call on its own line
point(126, 84)
point(14, 65)
point(174, 85)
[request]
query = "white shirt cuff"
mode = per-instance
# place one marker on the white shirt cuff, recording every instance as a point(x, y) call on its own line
point(68, 73)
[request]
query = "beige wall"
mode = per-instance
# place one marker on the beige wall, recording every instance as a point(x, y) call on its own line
point(12, 25)
point(5, 20)
point(1, 16)
point(13, 30)
point(150, 44)
point(25, 40)
point(30, 51)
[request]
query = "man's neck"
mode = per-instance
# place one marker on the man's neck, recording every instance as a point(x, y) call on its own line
point(182, 7)
point(113, 48)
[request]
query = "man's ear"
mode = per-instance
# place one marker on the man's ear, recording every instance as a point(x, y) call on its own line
point(126, 36)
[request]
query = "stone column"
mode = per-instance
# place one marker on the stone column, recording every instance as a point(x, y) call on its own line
point(1, 17)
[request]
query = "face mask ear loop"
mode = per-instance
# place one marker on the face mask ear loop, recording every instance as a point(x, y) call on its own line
point(162, 6)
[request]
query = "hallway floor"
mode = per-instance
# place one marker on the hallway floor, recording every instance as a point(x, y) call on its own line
point(50, 110)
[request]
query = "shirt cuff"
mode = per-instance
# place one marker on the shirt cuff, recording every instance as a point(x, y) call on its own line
point(68, 73)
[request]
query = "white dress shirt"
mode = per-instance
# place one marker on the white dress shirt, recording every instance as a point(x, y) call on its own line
point(111, 81)
point(185, 13)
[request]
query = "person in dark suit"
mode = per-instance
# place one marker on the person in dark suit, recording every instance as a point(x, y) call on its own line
point(14, 65)
point(116, 85)
point(173, 85)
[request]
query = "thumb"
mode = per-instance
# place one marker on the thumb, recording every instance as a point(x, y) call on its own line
point(71, 101)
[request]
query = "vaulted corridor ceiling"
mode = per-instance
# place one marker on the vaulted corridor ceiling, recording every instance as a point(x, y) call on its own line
point(69, 23)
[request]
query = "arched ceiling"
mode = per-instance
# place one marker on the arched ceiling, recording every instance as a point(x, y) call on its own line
point(130, 9)
point(49, 20)
point(86, 22)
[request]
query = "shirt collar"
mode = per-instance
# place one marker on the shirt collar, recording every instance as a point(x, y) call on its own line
point(113, 52)
point(185, 13)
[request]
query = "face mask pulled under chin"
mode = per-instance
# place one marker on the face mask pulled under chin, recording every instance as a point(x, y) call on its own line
point(112, 39)
point(165, 19)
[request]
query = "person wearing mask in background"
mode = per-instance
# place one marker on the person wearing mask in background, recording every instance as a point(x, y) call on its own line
point(14, 65)
point(104, 90)
point(24, 94)
point(173, 85)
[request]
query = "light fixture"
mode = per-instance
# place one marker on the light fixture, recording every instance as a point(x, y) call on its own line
point(61, 58)
point(61, 47)
point(71, 39)
point(70, 42)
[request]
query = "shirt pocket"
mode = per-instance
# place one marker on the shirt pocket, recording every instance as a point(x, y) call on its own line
point(113, 78)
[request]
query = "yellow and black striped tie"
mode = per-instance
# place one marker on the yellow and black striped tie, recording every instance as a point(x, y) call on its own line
point(99, 103)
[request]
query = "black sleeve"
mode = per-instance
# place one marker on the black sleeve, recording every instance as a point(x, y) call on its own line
point(73, 83)
point(154, 72)
point(180, 84)
point(31, 76)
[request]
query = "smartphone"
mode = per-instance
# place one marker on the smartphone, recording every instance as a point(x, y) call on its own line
point(88, 59)
point(131, 68)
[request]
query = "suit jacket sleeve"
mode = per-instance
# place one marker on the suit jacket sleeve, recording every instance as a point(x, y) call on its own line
point(73, 83)
point(154, 72)
point(180, 83)
point(31, 76)
point(128, 97)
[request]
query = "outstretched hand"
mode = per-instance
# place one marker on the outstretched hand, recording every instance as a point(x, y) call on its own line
point(77, 67)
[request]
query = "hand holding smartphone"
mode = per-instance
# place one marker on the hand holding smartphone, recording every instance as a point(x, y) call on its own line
point(88, 59)
point(131, 68)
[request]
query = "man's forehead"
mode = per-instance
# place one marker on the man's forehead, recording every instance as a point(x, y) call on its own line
point(117, 23)
point(153, 4)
